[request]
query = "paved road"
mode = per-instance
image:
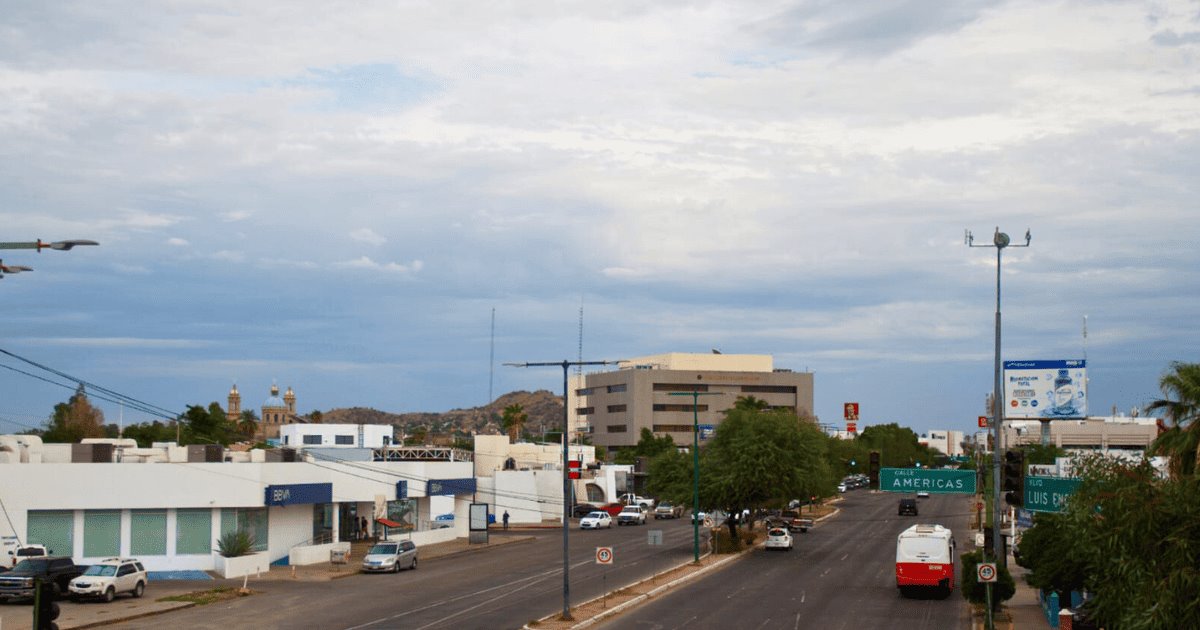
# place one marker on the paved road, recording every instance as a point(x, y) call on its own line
point(503, 587)
point(841, 575)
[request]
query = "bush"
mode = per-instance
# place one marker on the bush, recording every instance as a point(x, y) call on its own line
point(234, 544)
point(975, 592)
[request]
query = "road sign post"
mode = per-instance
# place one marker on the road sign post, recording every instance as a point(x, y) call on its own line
point(985, 572)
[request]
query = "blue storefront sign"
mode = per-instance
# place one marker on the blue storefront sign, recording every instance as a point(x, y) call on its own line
point(299, 493)
point(401, 490)
point(449, 487)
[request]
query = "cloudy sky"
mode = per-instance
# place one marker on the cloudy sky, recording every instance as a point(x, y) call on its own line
point(335, 196)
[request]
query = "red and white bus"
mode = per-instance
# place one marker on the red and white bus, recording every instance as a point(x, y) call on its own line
point(925, 559)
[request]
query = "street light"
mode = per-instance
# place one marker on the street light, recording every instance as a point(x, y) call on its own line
point(1000, 240)
point(696, 467)
point(566, 365)
point(39, 245)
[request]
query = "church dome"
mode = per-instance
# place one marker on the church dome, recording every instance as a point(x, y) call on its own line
point(273, 400)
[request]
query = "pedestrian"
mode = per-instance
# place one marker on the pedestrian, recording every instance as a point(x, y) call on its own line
point(362, 528)
point(505, 519)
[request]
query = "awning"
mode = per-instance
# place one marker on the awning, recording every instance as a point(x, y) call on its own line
point(385, 522)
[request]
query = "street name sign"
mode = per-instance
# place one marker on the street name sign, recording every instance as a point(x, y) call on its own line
point(1047, 494)
point(933, 480)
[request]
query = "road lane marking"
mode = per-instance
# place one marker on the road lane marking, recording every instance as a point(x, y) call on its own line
point(844, 557)
point(826, 572)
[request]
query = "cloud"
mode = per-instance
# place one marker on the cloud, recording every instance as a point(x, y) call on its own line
point(121, 342)
point(175, 241)
point(365, 262)
point(235, 215)
point(367, 235)
point(229, 256)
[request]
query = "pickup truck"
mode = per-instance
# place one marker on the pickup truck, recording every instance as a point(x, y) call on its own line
point(633, 499)
point(632, 515)
point(55, 571)
point(667, 510)
point(795, 522)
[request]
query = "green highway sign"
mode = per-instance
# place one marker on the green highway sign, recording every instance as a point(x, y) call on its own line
point(1047, 494)
point(933, 480)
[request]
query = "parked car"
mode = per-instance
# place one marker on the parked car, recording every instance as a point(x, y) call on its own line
point(908, 506)
point(613, 509)
point(582, 509)
point(841, 487)
point(442, 521)
point(795, 522)
point(632, 515)
point(778, 538)
point(110, 577)
point(633, 499)
point(17, 554)
point(56, 571)
point(596, 520)
point(390, 556)
point(668, 510)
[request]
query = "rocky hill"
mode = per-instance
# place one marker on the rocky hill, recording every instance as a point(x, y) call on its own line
point(545, 411)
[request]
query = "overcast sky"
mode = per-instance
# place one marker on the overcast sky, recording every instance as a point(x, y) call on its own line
point(335, 196)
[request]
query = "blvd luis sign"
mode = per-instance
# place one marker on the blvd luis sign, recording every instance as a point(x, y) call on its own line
point(933, 480)
point(1047, 494)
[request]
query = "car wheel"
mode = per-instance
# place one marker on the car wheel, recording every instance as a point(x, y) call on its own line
point(396, 567)
point(414, 563)
point(140, 589)
point(109, 594)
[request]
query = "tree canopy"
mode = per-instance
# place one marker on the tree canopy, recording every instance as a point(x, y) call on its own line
point(74, 420)
point(1181, 406)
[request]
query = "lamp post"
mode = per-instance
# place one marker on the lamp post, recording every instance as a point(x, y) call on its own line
point(566, 365)
point(10, 269)
point(695, 467)
point(39, 245)
point(1000, 240)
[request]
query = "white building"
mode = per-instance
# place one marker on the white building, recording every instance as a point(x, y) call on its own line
point(336, 435)
point(170, 505)
point(948, 443)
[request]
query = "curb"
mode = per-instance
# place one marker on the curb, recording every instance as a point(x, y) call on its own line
point(148, 613)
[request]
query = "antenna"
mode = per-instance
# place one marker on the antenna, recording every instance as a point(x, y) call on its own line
point(492, 358)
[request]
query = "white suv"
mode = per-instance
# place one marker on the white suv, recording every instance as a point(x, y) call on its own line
point(110, 576)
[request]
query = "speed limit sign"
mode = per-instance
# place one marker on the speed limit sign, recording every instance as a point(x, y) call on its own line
point(604, 555)
point(986, 572)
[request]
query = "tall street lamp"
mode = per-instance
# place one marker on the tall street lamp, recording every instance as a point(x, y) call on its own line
point(39, 245)
point(696, 467)
point(1000, 240)
point(12, 268)
point(566, 365)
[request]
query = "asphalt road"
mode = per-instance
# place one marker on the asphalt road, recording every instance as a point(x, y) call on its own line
point(841, 575)
point(502, 587)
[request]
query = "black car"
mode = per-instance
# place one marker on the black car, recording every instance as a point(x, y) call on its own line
point(581, 509)
point(908, 506)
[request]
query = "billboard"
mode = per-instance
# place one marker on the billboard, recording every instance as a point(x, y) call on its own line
point(1045, 389)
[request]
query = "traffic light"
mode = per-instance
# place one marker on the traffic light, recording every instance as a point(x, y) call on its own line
point(873, 470)
point(45, 609)
point(1014, 476)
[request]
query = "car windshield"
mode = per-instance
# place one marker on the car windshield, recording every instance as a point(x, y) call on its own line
point(36, 566)
point(382, 550)
point(596, 514)
point(101, 570)
point(777, 532)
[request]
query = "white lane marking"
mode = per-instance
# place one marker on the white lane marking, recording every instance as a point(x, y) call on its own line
point(844, 557)
point(826, 572)
point(796, 626)
point(803, 596)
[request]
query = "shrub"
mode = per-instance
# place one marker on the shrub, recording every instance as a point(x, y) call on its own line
point(976, 592)
point(236, 543)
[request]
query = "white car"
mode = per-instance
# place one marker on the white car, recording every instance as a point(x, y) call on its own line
point(632, 515)
point(390, 556)
point(922, 494)
point(778, 538)
point(109, 577)
point(596, 520)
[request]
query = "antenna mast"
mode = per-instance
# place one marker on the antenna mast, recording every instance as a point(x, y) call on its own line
point(492, 358)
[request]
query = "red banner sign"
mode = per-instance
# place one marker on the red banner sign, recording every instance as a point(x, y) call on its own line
point(851, 411)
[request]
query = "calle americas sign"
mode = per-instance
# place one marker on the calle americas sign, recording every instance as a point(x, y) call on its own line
point(932, 480)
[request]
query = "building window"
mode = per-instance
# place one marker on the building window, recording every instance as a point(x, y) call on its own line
point(769, 389)
point(672, 428)
point(193, 532)
point(312, 439)
point(250, 520)
point(616, 389)
point(344, 440)
point(587, 391)
point(54, 529)
point(585, 411)
point(699, 408)
point(616, 408)
point(148, 532)
point(101, 533)
point(616, 428)
point(680, 387)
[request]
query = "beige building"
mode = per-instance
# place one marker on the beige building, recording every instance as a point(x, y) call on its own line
point(615, 406)
point(276, 411)
point(1113, 435)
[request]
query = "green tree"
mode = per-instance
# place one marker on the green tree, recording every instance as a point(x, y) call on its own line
point(148, 433)
point(1048, 551)
point(760, 458)
point(976, 592)
point(898, 446)
point(670, 477)
point(1181, 406)
point(513, 421)
point(74, 420)
point(247, 424)
point(648, 445)
point(206, 426)
point(1043, 454)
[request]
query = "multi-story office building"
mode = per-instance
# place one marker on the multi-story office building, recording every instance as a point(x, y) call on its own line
point(614, 406)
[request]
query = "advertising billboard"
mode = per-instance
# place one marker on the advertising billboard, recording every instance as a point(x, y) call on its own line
point(1045, 389)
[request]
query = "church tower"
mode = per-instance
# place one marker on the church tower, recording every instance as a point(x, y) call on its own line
point(234, 408)
point(289, 399)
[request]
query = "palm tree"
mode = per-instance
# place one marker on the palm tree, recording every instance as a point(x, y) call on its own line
point(1181, 406)
point(513, 420)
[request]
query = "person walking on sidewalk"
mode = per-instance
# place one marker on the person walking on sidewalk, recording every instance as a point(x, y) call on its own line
point(505, 519)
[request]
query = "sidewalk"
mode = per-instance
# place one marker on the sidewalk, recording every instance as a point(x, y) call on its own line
point(1023, 611)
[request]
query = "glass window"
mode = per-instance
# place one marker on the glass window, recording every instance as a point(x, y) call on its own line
point(148, 532)
point(312, 439)
point(616, 408)
point(616, 389)
point(404, 512)
point(53, 528)
point(101, 533)
point(680, 387)
point(343, 439)
point(193, 532)
point(585, 411)
point(250, 520)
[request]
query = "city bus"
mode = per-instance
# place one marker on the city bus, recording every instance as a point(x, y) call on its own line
point(925, 560)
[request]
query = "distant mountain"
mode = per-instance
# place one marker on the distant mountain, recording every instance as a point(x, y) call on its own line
point(545, 411)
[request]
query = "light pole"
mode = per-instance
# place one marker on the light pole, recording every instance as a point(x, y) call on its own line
point(10, 269)
point(566, 365)
point(1000, 240)
point(39, 245)
point(695, 467)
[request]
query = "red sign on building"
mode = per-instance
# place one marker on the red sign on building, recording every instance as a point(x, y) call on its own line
point(851, 412)
point(983, 422)
point(574, 469)
point(852, 427)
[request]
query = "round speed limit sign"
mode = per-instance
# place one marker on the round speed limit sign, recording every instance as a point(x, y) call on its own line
point(604, 555)
point(986, 572)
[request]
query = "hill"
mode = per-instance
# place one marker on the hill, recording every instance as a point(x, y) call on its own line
point(545, 411)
